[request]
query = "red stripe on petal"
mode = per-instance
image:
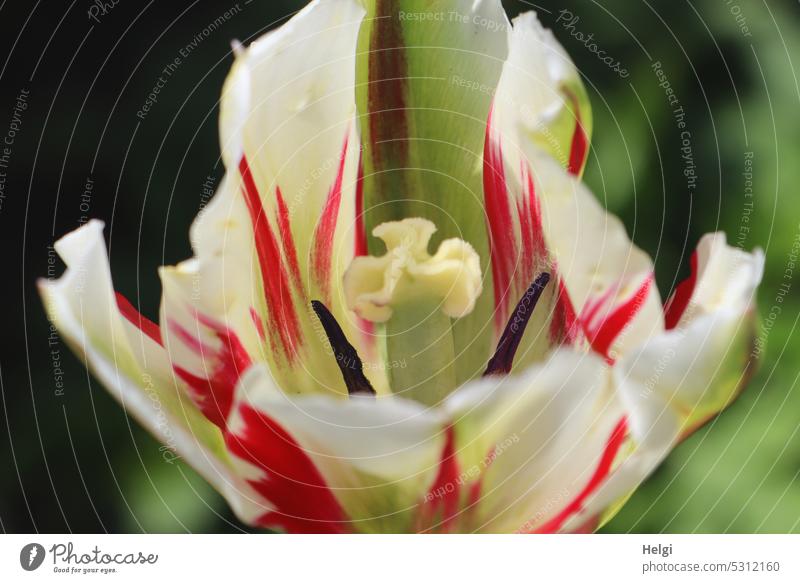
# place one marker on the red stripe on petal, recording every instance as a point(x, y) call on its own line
point(593, 306)
point(475, 489)
point(147, 326)
point(564, 326)
point(214, 392)
point(579, 148)
point(501, 229)
point(441, 503)
point(601, 335)
point(192, 341)
point(257, 322)
point(326, 228)
point(474, 492)
point(599, 476)
point(213, 397)
point(534, 248)
point(293, 485)
point(677, 304)
point(284, 325)
point(539, 247)
point(289, 249)
point(526, 234)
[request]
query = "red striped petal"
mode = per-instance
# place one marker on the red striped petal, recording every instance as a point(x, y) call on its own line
point(677, 304)
point(594, 305)
point(538, 246)
point(503, 245)
point(133, 316)
point(302, 500)
point(475, 490)
point(599, 476)
point(526, 233)
point(440, 505)
point(284, 326)
point(564, 326)
point(258, 323)
point(213, 393)
point(326, 228)
point(579, 148)
point(601, 335)
point(289, 249)
point(530, 223)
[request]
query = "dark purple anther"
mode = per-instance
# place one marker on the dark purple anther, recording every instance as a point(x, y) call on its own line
point(346, 355)
point(503, 357)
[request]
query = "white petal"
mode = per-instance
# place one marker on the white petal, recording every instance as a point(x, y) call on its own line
point(134, 368)
point(289, 104)
point(377, 455)
point(288, 121)
point(539, 94)
point(698, 369)
point(678, 380)
point(599, 264)
point(546, 431)
point(726, 277)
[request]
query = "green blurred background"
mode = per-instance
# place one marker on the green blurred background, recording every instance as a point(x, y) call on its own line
point(72, 460)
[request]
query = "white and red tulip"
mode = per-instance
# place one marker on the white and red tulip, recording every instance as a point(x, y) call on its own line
point(494, 358)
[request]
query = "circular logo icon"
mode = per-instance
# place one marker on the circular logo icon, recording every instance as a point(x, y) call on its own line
point(31, 556)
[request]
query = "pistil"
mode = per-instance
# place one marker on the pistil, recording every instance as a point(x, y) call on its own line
point(414, 297)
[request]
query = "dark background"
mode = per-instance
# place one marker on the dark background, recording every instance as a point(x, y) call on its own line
point(75, 462)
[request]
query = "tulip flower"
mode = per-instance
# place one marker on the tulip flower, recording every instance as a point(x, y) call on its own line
point(405, 311)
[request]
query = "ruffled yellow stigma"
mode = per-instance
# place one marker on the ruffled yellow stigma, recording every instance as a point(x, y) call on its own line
point(407, 273)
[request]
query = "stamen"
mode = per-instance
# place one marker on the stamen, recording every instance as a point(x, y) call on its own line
point(503, 357)
point(346, 355)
